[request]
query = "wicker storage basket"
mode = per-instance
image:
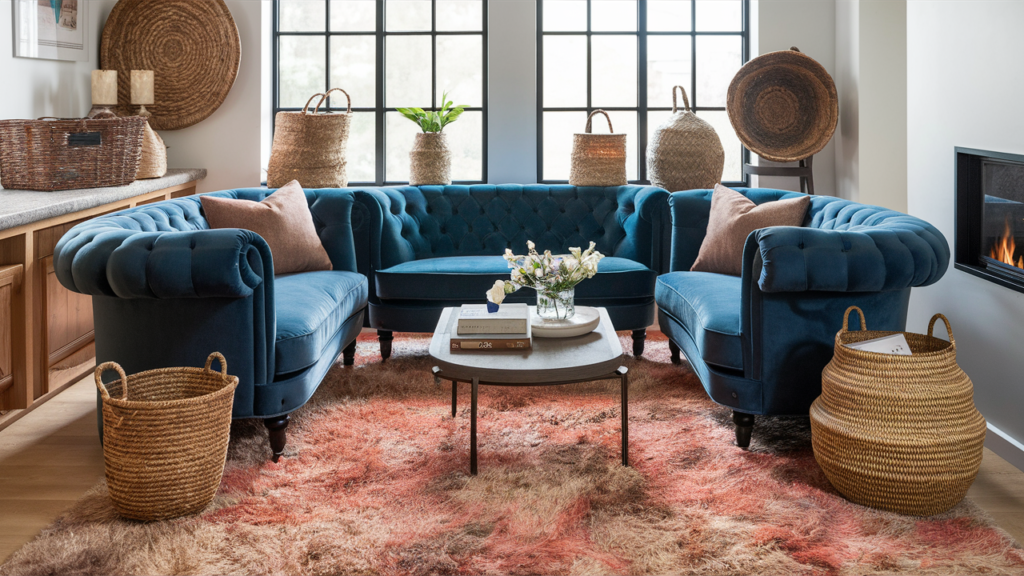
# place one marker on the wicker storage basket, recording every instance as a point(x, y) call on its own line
point(598, 159)
point(60, 154)
point(685, 152)
point(310, 148)
point(165, 438)
point(899, 433)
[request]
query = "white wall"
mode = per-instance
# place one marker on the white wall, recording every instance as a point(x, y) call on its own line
point(810, 26)
point(227, 143)
point(871, 77)
point(963, 89)
point(35, 87)
point(512, 91)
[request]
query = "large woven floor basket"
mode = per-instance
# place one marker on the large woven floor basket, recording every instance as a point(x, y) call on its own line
point(165, 438)
point(899, 433)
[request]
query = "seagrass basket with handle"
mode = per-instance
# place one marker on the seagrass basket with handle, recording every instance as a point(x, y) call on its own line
point(310, 147)
point(900, 433)
point(598, 159)
point(685, 153)
point(165, 437)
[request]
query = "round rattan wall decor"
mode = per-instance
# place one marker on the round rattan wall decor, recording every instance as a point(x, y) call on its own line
point(192, 47)
point(783, 106)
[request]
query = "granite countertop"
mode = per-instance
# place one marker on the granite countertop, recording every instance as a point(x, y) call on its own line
point(20, 207)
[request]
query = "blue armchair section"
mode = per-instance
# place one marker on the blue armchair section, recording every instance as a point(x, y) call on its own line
point(759, 342)
point(428, 247)
point(167, 291)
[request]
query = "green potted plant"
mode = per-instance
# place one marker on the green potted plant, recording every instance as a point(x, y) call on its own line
point(430, 158)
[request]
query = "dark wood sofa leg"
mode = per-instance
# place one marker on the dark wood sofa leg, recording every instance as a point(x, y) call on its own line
point(638, 342)
point(349, 354)
point(744, 427)
point(673, 351)
point(276, 427)
point(385, 337)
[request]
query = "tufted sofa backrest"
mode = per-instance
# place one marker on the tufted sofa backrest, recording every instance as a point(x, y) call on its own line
point(690, 211)
point(434, 221)
point(331, 210)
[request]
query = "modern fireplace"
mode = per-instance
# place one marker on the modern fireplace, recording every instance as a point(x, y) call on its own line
point(990, 216)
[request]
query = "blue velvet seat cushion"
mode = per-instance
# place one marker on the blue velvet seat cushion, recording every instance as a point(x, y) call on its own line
point(311, 308)
point(469, 277)
point(708, 306)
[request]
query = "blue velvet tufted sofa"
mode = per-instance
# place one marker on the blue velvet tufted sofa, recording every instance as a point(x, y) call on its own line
point(759, 342)
point(167, 291)
point(425, 248)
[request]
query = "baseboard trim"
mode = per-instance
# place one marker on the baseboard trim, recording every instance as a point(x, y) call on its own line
point(1005, 446)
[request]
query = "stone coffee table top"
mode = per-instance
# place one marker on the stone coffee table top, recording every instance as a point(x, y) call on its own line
point(549, 361)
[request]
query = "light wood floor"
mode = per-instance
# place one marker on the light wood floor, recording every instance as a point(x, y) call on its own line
point(52, 456)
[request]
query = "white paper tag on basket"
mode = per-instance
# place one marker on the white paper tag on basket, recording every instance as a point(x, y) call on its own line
point(893, 344)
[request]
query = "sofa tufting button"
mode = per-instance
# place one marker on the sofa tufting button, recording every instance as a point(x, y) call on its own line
point(735, 395)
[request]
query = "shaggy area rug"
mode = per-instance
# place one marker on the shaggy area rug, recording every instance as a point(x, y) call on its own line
point(375, 481)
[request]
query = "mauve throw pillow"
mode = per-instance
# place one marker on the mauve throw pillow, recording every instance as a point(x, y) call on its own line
point(282, 219)
point(733, 218)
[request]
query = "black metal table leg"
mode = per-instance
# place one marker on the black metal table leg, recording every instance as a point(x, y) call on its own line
point(625, 414)
point(455, 391)
point(472, 428)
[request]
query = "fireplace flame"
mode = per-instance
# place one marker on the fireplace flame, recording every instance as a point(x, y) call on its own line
point(1004, 248)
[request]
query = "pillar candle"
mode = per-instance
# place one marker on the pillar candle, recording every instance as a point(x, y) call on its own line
point(142, 87)
point(104, 87)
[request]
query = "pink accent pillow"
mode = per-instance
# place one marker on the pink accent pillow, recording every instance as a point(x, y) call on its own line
point(282, 219)
point(733, 218)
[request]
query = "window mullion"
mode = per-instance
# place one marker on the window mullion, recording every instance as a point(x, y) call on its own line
point(641, 121)
point(379, 140)
point(433, 54)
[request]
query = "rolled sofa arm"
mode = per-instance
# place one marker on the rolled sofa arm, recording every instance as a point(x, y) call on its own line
point(107, 260)
point(899, 253)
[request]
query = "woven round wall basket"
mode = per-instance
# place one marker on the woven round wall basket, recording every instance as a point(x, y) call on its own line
point(310, 147)
point(783, 106)
point(598, 159)
point(899, 433)
point(165, 438)
point(430, 160)
point(685, 153)
point(192, 47)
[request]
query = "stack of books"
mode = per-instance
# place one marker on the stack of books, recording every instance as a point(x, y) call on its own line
point(506, 329)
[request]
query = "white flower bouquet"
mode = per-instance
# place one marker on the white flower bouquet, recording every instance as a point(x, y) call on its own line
point(554, 277)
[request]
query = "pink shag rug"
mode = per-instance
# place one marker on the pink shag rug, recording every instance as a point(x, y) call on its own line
point(375, 481)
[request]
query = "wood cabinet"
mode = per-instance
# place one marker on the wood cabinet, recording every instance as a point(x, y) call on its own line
point(46, 330)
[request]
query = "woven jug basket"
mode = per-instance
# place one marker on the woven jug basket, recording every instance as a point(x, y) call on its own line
point(685, 153)
point(310, 147)
point(165, 437)
point(899, 433)
point(430, 160)
point(153, 163)
point(598, 159)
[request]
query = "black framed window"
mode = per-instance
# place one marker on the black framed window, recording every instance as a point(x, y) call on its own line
point(387, 54)
point(624, 56)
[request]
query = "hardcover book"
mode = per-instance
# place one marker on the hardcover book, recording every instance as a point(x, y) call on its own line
point(509, 319)
point(491, 341)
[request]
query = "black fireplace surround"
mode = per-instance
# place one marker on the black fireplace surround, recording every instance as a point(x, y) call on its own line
point(990, 216)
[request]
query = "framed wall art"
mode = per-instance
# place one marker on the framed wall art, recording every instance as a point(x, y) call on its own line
point(51, 29)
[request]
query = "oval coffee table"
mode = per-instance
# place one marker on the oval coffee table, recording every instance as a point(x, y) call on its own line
point(550, 362)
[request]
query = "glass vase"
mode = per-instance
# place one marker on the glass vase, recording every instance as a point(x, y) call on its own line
point(553, 305)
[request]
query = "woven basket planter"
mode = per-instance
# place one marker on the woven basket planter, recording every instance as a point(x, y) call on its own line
point(310, 147)
point(899, 433)
point(685, 153)
point(62, 154)
point(598, 159)
point(165, 438)
point(430, 160)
